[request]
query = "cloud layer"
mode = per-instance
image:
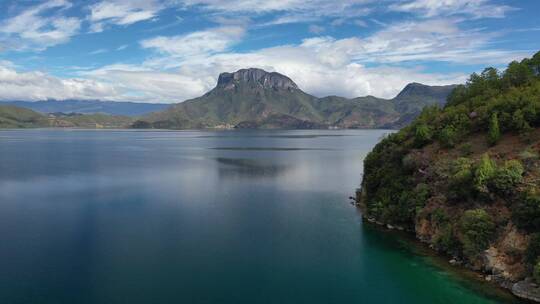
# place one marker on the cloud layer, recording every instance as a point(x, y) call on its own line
point(323, 61)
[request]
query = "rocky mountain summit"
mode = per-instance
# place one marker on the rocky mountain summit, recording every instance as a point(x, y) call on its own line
point(255, 78)
point(254, 98)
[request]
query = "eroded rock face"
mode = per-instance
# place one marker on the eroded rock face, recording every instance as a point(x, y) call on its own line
point(505, 258)
point(257, 78)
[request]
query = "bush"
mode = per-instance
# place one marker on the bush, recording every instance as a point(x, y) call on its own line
point(519, 123)
point(421, 195)
point(483, 174)
point(494, 131)
point(461, 178)
point(533, 250)
point(448, 137)
point(477, 228)
point(445, 239)
point(466, 149)
point(422, 135)
point(507, 177)
point(526, 212)
point(536, 272)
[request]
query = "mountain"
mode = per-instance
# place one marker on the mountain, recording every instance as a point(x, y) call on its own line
point(466, 178)
point(16, 117)
point(88, 107)
point(254, 98)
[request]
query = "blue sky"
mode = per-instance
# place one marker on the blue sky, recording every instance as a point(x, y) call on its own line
point(172, 50)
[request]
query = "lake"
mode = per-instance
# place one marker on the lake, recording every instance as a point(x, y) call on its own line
point(202, 217)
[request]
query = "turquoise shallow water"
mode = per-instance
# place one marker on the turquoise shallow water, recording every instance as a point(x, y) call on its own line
point(201, 217)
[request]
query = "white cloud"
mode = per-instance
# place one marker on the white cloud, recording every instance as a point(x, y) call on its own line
point(431, 8)
point(31, 30)
point(122, 47)
point(287, 11)
point(140, 84)
point(98, 51)
point(122, 12)
point(39, 86)
point(360, 23)
point(199, 43)
point(432, 39)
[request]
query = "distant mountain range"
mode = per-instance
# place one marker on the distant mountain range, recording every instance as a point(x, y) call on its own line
point(17, 117)
point(88, 107)
point(246, 99)
point(254, 98)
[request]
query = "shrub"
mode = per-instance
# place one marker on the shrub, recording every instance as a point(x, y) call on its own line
point(466, 149)
point(494, 132)
point(445, 239)
point(448, 137)
point(526, 211)
point(536, 272)
point(519, 123)
point(461, 178)
point(507, 177)
point(477, 228)
point(483, 173)
point(421, 194)
point(422, 135)
point(533, 250)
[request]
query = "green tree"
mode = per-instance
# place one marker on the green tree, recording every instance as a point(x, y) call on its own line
point(526, 211)
point(483, 173)
point(423, 135)
point(519, 123)
point(494, 131)
point(507, 177)
point(477, 228)
point(448, 136)
point(461, 178)
point(517, 74)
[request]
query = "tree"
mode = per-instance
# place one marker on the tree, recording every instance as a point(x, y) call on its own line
point(422, 135)
point(518, 121)
point(526, 211)
point(494, 131)
point(517, 74)
point(460, 179)
point(483, 174)
point(449, 136)
point(477, 228)
point(506, 177)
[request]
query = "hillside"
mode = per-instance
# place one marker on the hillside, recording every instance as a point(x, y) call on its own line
point(12, 117)
point(254, 98)
point(88, 107)
point(465, 178)
point(15, 117)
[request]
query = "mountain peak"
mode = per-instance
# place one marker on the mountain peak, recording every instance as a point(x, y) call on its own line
point(414, 89)
point(257, 78)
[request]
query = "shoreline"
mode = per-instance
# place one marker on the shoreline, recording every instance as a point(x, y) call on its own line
point(476, 279)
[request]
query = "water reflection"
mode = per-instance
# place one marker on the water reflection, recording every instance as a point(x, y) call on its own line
point(250, 168)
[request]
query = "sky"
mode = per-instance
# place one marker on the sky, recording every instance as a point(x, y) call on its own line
point(169, 51)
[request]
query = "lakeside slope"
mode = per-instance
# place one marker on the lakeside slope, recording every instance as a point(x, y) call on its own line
point(466, 178)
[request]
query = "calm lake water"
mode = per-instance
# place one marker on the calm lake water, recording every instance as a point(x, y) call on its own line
point(201, 217)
